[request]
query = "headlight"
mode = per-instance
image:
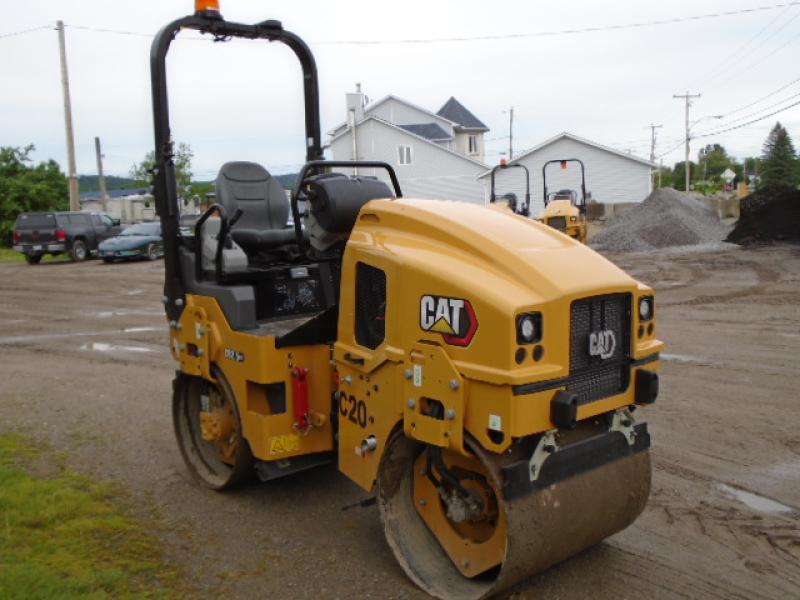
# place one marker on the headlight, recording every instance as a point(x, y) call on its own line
point(646, 308)
point(573, 219)
point(529, 328)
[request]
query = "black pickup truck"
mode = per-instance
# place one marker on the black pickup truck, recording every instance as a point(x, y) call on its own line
point(76, 233)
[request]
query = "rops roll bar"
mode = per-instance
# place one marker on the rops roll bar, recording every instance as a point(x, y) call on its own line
point(527, 205)
point(563, 162)
point(164, 185)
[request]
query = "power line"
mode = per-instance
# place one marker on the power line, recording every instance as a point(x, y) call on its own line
point(114, 31)
point(671, 150)
point(596, 29)
point(24, 31)
point(772, 114)
point(760, 110)
point(504, 36)
point(723, 66)
point(760, 60)
point(772, 93)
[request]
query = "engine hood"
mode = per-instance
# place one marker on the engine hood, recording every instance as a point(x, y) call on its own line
point(492, 252)
point(460, 274)
point(559, 208)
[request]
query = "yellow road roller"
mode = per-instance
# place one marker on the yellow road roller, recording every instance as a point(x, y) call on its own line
point(476, 372)
point(563, 209)
point(511, 201)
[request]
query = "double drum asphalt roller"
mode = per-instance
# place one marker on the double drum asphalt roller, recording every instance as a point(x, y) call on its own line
point(476, 370)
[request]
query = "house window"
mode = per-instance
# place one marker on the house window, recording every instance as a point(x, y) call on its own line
point(473, 144)
point(404, 155)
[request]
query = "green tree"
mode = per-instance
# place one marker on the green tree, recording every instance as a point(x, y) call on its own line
point(666, 177)
point(141, 172)
point(201, 189)
point(679, 175)
point(25, 187)
point(779, 160)
point(713, 161)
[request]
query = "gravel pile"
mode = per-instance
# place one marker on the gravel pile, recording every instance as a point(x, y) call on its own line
point(768, 215)
point(665, 219)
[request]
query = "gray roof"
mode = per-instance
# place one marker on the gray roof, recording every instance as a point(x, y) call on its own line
point(120, 193)
point(430, 131)
point(457, 112)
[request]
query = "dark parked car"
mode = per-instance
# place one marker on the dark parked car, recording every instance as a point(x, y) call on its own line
point(76, 233)
point(142, 240)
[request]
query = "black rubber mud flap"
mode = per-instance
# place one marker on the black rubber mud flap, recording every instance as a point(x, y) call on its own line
point(572, 460)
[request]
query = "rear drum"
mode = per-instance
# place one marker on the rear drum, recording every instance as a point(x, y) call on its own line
point(208, 430)
point(517, 538)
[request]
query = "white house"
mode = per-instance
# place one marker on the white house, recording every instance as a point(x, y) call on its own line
point(130, 205)
point(611, 176)
point(435, 155)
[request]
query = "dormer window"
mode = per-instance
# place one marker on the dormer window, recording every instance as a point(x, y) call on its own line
point(473, 144)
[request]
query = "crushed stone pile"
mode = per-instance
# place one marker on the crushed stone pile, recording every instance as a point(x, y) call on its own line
point(666, 218)
point(768, 215)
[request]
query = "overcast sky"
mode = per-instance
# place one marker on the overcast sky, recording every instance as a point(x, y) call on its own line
point(243, 100)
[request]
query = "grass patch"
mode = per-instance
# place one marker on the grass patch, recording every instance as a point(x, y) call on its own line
point(64, 536)
point(9, 255)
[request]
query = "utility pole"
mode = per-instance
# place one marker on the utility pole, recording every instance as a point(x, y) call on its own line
point(660, 170)
point(74, 201)
point(653, 128)
point(688, 99)
point(653, 141)
point(100, 177)
point(511, 133)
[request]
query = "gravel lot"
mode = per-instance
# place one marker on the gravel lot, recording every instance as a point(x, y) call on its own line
point(85, 367)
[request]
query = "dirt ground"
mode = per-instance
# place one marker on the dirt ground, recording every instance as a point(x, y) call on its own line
point(85, 367)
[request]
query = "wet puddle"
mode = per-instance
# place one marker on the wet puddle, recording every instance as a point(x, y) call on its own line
point(685, 358)
point(754, 501)
point(104, 347)
point(17, 339)
point(107, 314)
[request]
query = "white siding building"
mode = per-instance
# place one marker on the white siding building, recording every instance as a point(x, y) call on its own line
point(434, 156)
point(611, 176)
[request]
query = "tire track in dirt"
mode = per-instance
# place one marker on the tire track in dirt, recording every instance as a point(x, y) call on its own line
point(765, 545)
point(766, 276)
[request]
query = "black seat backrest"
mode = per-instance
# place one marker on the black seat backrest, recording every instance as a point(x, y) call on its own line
point(249, 187)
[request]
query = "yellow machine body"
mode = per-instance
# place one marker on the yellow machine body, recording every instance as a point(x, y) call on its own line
point(566, 217)
point(502, 264)
point(473, 369)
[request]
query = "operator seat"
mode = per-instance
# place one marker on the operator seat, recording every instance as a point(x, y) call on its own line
point(265, 210)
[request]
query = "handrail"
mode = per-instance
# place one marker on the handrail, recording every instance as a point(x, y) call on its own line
point(198, 241)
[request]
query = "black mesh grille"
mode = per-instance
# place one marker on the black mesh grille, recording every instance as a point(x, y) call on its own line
point(558, 222)
point(370, 305)
point(599, 371)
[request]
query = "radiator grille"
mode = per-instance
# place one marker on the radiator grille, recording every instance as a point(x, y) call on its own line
point(601, 369)
point(559, 223)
